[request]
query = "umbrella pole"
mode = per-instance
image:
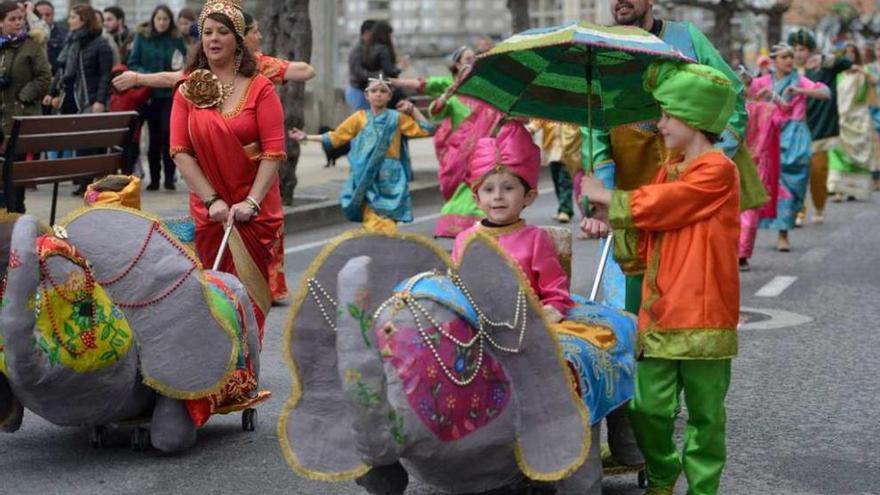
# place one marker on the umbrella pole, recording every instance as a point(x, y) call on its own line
point(585, 201)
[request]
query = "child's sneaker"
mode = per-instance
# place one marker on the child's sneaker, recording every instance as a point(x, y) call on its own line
point(744, 265)
point(563, 217)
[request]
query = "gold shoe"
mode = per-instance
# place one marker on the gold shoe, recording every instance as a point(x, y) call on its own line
point(563, 217)
point(799, 219)
point(818, 218)
point(660, 490)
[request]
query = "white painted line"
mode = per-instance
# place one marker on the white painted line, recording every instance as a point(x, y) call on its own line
point(776, 286)
point(427, 218)
point(778, 319)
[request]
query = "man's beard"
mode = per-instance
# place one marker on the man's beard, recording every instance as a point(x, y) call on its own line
point(636, 18)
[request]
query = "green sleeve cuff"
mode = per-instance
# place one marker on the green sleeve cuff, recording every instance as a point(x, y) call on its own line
point(620, 210)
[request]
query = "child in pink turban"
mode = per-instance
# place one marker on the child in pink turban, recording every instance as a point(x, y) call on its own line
point(503, 175)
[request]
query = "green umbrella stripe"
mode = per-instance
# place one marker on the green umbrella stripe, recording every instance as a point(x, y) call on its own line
point(560, 97)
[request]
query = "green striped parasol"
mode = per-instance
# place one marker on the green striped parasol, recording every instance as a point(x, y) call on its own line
point(545, 73)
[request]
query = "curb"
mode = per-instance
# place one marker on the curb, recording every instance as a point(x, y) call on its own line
point(325, 213)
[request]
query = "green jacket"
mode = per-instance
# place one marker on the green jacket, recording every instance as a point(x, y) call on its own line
point(156, 53)
point(26, 65)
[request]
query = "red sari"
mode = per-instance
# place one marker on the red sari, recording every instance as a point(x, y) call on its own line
point(219, 141)
point(229, 148)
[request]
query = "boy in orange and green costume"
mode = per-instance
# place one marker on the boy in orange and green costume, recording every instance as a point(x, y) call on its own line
point(688, 224)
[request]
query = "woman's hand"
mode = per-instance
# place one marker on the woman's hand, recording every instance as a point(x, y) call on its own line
point(764, 94)
point(125, 81)
point(406, 107)
point(297, 135)
point(47, 100)
point(594, 228)
point(241, 212)
point(98, 107)
point(219, 211)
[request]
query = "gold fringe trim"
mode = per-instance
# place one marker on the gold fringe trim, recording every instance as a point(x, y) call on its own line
point(157, 385)
point(537, 308)
point(249, 273)
point(296, 384)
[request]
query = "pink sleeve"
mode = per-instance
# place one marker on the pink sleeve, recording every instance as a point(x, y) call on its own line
point(552, 281)
point(179, 133)
point(807, 83)
point(270, 124)
point(459, 244)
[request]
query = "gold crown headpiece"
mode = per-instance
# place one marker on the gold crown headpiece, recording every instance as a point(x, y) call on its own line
point(232, 9)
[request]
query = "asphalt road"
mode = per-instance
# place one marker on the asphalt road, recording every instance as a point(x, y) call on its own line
point(802, 411)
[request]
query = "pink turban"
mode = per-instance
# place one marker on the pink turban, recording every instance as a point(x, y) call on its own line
point(511, 150)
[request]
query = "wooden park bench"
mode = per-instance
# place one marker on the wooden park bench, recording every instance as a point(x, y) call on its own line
point(105, 136)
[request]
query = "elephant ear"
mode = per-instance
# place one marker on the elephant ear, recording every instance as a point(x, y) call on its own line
point(188, 345)
point(315, 426)
point(553, 436)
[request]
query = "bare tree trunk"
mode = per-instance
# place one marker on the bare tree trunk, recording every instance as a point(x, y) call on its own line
point(288, 31)
point(722, 32)
point(774, 27)
point(519, 12)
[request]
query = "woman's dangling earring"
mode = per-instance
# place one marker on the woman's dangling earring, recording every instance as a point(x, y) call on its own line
point(239, 56)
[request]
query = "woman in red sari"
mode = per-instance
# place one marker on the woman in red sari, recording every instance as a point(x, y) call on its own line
point(227, 139)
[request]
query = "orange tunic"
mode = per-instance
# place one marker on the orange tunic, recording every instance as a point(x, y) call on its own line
point(688, 219)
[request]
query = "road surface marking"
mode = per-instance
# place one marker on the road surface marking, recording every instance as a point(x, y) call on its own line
point(776, 286)
point(815, 255)
point(427, 218)
point(778, 319)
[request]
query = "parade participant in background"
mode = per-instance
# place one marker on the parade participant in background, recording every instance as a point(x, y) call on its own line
point(452, 141)
point(688, 219)
point(791, 90)
point(377, 190)
point(561, 144)
point(628, 156)
point(277, 70)
point(227, 138)
point(822, 117)
point(763, 139)
point(874, 68)
point(158, 47)
point(857, 154)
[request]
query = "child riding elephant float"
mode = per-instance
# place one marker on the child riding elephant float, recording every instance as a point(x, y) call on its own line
point(405, 364)
point(110, 319)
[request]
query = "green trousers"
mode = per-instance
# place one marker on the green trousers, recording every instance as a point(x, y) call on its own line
point(563, 187)
point(653, 411)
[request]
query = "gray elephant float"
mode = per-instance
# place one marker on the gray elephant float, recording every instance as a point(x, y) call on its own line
point(406, 365)
point(111, 318)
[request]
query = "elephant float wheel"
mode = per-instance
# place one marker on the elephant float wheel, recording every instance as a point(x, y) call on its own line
point(140, 439)
point(96, 436)
point(249, 420)
point(643, 479)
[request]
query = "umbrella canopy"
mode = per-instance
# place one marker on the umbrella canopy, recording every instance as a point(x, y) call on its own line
point(545, 73)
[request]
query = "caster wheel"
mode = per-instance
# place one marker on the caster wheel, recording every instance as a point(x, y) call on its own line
point(96, 437)
point(643, 479)
point(249, 420)
point(140, 439)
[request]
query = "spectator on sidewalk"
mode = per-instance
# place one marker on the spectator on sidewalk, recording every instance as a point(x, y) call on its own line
point(357, 74)
point(109, 37)
point(186, 25)
point(26, 74)
point(114, 24)
point(158, 47)
point(57, 36)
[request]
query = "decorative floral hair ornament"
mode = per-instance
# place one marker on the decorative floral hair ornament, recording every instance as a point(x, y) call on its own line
point(232, 9)
point(379, 80)
point(203, 89)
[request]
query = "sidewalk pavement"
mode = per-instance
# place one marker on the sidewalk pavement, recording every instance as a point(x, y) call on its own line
point(316, 197)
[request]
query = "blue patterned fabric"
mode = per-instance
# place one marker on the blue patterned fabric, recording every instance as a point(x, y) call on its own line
point(375, 180)
point(794, 175)
point(184, 228)
point(606, 378)
point(441, 290)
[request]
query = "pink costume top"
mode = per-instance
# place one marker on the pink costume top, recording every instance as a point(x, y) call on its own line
point(533, 249)
point(796, 109)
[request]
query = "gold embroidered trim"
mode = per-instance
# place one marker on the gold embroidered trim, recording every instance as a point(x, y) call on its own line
point(160, 387)
point(241, 101)
point(501, 230)
point(176, 150)
point(277, 156)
